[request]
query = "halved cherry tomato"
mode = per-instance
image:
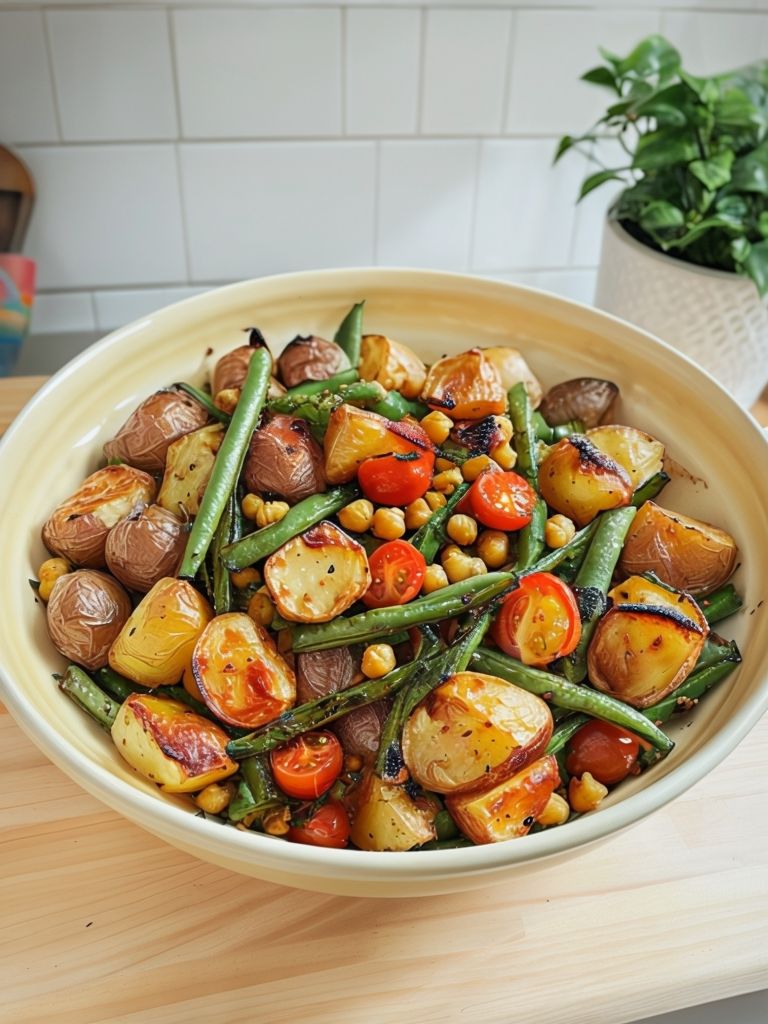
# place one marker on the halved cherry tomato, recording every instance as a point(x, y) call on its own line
point(501, 501)
point(328, 826)
point(606, 751)
point(397, 573)
point(307, 766)
point(539, 621)
point(396, 479)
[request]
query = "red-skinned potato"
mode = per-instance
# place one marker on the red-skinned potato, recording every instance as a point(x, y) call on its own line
point(686, 553)
point(155, 645)
point(171, 745)
point(579, 480)
point(239, 673)
point(284, 459)
point(319, 673)
point(359, 731)
point(144, 547)
point(188, 469)
point(392, 365)
point(354, 435)
point(513, 369)
point(384, 817)
point(508, 810)
point(310, 358)
point(85, 612)
point(77, 528)
point(472, 732)
point(144, 438)
point(641, 455)
point(588, 399)
point(229, 372)
point(466, 387)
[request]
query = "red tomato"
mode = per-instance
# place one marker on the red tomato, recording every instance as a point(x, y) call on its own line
point(539, 621)
point(502, 501)
point(307, 766)
point(328, 826)
point(606, 751)
point(396, 479)
point(397, 572)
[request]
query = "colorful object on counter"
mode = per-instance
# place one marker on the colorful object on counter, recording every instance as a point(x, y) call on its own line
point(17, 293)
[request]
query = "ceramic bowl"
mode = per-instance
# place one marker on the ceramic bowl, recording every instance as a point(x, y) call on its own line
point(722, 477)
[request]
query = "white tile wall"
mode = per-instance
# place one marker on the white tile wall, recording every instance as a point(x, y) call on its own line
point(181, 144)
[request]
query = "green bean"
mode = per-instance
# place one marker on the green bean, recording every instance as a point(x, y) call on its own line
point(204, 399)
point(229, 462)
point(457, 453)
point(222, 583)
point(430, 537)
point(301, 517)
point(530, 539)
point(719, 605)
point(551, 435)
point(652, 486)
point(574, 549)
point(694, 687)
point(121, 688)
point(395, 407)
point(561, 693)
point(445, 827)
point(318, 387)
point(564, 731)
point(80, 688)
point(350, 333)
point(256, 792)
point(716, 650)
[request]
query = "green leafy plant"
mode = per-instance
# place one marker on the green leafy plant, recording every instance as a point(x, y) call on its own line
point(696, 157)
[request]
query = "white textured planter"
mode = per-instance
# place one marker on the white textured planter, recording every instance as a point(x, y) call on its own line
point(715, 318)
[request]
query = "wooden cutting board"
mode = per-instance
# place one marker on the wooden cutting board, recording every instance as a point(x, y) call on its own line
point(102, 922)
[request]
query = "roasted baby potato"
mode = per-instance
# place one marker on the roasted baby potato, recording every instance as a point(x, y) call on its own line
point(310, 358)
point(641, 455)
point(354, 435)
point(686, 553)
point(578, 480)
point(588, 399)
point(166, 742)
point(284, 459)
point(509, 809)
point(144, 438)
point(392, 365)
point(359, 731)
point(647, 643)
point(239, 673)
point(472, 732)
point(319, 673)
point(188, 468)
point(77, 528)
point(316, 576)
point(384, 817)
point(144, 547)
point(512, 369)
point(155, 645)
point(85, 612)
point(466, 387)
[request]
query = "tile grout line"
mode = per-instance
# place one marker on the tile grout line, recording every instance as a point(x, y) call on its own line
point(52, 74)
point(472, 240)
point(421, 71)
point(343, 69)
point(506, 99)
point(376, 198)
point(177, 143)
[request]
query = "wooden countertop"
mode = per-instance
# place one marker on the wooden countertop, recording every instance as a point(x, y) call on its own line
point(101, 922)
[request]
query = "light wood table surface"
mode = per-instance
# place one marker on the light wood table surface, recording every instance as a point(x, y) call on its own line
point(102, 922)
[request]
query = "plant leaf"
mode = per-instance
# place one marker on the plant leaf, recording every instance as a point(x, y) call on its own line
point(601, 75)
point(750, 172)
point(653, 56)
point(714, 172)
point(740, 249)
point(563, 146)
point(762, 223)
point(708, 224)
point(756, 265)
point(706, 89)
point(661, 215)
point(664, 148)
point(734, 110)
point(595, 180)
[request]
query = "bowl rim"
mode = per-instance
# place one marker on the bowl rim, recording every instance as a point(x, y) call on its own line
point(169, 820)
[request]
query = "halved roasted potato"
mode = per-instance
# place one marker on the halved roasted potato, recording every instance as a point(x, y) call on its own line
point(640, 454)
point(284, 459)
point(384, 817)
point(166, 742)
point(144, 547)
point(188, 469)
point(579, 480)
point(77, 528)
point(316, 576)
point(508, 810)
point(513, 369)
point(310, 358)
point(144, 438)
point(239, 673)
point(473, 731)
point(647, 643)
point(466, 387)
point(684, 552)
point(588, 399)
point(394, 366)
point(155, 645)
point(85, 612)
point(354, 435)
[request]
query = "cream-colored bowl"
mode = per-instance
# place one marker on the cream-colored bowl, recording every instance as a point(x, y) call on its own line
point(57, 440)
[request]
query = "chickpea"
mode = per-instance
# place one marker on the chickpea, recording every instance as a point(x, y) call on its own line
point(447, 481)
point(462, 529)
point(357, 516)
point(251, 504)
point(493, 548)
point(504, 455)
point(473, 467)
point(417, 514)
point(435, 500)
point(261, 609)
point(51, 570)
point(271, 512)
point(586, 793)
point(245, 578)
point(277, 822)
point(378, 659)
point(558, 531)
point(216, 797)
point(388, 523)
point(556, 812)
point(458, 565)
point(437, 426)
point(434, 579)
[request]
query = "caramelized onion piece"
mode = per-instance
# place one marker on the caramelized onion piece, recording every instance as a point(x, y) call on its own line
point(86, 611)
point(144, 547)
point(310, 358)
point(144, 438)
point(588, 399)
point(284, 459)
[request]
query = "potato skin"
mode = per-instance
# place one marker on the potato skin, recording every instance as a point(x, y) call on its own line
point(513, 369)
point(466, 387)
point(319, 673)
point(144, 547)
point(384, 817)
point(77, 529)
point(85, 612)
point(284, 459)
point(144, 438)
point(188, 468)
point(392, 365)
point(588, 399)
point(310, 358)
point(579, 480)
point(359, 731)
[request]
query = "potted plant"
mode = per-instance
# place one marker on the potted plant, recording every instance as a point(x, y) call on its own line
point(685, 244)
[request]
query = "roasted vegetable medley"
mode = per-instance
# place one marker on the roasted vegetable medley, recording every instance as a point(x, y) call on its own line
point(349, 599)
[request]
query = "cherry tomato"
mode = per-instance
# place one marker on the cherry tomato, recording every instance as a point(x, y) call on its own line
point(397, 572)
point(396, 479)
point(606, 751)
point(328, 826)
point(539, 621)
point(307, 766)
point(502, 501)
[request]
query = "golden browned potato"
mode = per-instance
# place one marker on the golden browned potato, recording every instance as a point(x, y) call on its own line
point(171, 745)
point(513, 369)
point(641, 455)
point(384, 817)
point(647, 643)
point(155, 645)
point(144, 547)
point(316, 576)
point(188, 469)
point(239, 673)
point(684, 552)
point(394, 366)
point(467, 387)
point(86, 611)
point(473, 731)
point(508, 810)
point(578, 480)
point(310, 358)
point(78, 527)
point(357, 434)
point(143, 439)
point(284, 459)
point(588, 399)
